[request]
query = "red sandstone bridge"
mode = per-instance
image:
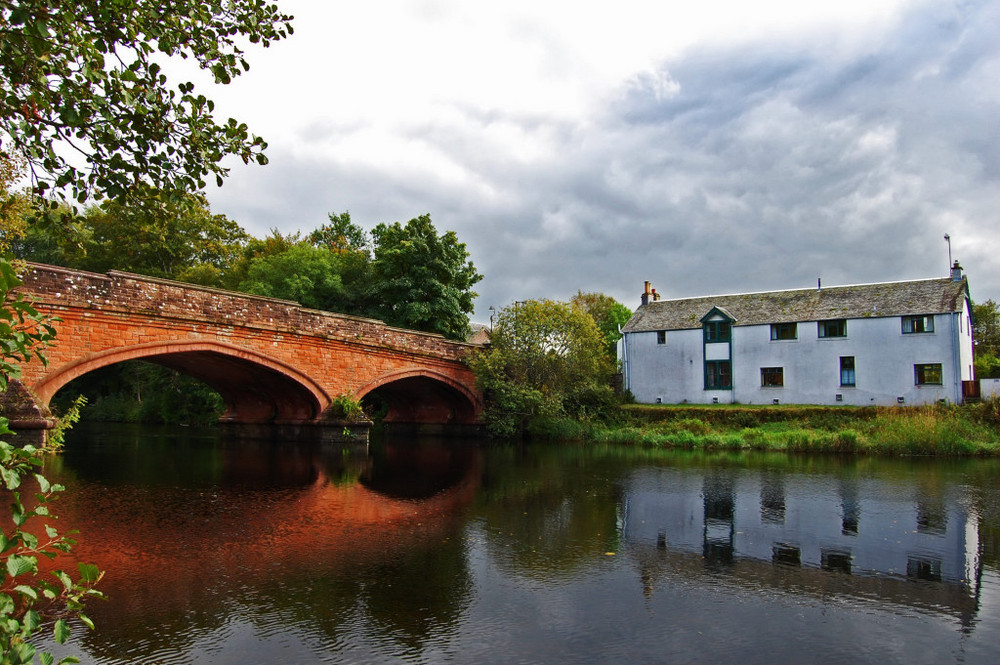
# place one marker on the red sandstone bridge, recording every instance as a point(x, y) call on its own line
point(273, 361)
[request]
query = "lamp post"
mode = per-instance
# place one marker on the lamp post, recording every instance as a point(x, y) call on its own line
point(947, 239)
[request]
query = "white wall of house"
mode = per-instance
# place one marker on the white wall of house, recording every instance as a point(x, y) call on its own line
point(882, 533)
point(965, 342)
point(670, 373)
point(884, 359)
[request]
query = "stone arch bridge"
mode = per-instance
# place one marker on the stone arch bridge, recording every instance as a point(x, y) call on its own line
point(274, 362)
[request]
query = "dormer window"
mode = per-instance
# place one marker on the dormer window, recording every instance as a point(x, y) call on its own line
point(718, 331)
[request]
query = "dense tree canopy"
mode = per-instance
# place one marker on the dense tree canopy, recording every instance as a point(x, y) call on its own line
point(175, 237)
point(609, 315)
point(84, 98)
point(303, 273)
point(986, 337)
point(546, 359)
point(421, 280)
point(14, 205)
point(340, 234)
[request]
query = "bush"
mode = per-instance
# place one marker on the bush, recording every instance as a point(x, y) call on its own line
point(345, 407)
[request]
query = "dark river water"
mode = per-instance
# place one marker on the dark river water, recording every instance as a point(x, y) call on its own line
point(422, 551)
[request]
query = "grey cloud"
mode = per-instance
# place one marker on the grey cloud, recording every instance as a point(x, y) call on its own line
point(762, 168)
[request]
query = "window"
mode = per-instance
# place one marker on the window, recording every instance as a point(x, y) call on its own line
point(661, 336)
point(847, 371)
point(834, 328)
point(928, 374)
point(718, 375)
point(784, 331)
point(717, 331)
point(772, 377)
point(918, 324)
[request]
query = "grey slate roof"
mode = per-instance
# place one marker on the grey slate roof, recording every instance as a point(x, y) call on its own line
point(926, 296)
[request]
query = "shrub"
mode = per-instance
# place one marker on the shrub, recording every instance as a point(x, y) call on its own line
point(345, 407)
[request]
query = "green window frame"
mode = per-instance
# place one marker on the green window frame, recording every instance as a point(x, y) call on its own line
point(718, 331)
point(927, 374)
point(847, 375)
point(718, 375)
point(772, 377)
point(917, 324)
point(781, 331)
point(831, 328)
point(661, 336)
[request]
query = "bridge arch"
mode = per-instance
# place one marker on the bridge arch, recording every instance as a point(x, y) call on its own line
point(424, 396)
point(254, 387)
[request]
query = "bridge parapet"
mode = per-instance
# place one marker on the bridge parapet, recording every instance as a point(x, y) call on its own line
point(143, 295)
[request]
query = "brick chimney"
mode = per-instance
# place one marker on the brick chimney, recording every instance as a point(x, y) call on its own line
point(644, 298)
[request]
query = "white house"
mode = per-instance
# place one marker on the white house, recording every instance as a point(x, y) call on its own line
point(889, 343)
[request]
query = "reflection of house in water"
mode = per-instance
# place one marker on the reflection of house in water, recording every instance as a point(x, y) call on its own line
point(806, 531)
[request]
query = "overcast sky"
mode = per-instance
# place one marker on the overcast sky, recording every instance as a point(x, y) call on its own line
point(710, 147)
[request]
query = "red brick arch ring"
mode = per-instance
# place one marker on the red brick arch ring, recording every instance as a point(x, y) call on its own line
point(254, 387)
point(424, 396)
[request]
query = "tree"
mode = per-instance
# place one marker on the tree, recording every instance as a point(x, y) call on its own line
point(174, 237)
point(303, 273)
point(609, 315)
point(421, 280)
point(340, 235)
point(352, 245)
point(986, 338)
point(167, 236)
point(546, 359)
point(85, 101)
point(27, 600)
point(14, 205)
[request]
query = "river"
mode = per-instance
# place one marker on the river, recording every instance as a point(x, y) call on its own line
point(425, 551)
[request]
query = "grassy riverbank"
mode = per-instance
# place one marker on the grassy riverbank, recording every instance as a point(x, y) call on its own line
point(931, 430)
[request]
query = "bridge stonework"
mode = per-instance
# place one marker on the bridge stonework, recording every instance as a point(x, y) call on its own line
point(273, 361)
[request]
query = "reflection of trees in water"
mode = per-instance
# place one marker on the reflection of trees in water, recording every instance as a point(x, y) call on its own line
point(547, 515)
point(413, 469)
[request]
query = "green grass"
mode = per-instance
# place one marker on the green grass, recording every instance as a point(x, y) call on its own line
point(932, 430)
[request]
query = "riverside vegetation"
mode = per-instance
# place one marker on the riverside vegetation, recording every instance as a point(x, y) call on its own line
point(969, 430)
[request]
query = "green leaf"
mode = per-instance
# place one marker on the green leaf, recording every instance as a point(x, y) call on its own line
point(26, 590)
point(61, 631)
point(89, 572)
point(32, 620)
point(11, 478)
point(67, 582)
point(19, 565)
